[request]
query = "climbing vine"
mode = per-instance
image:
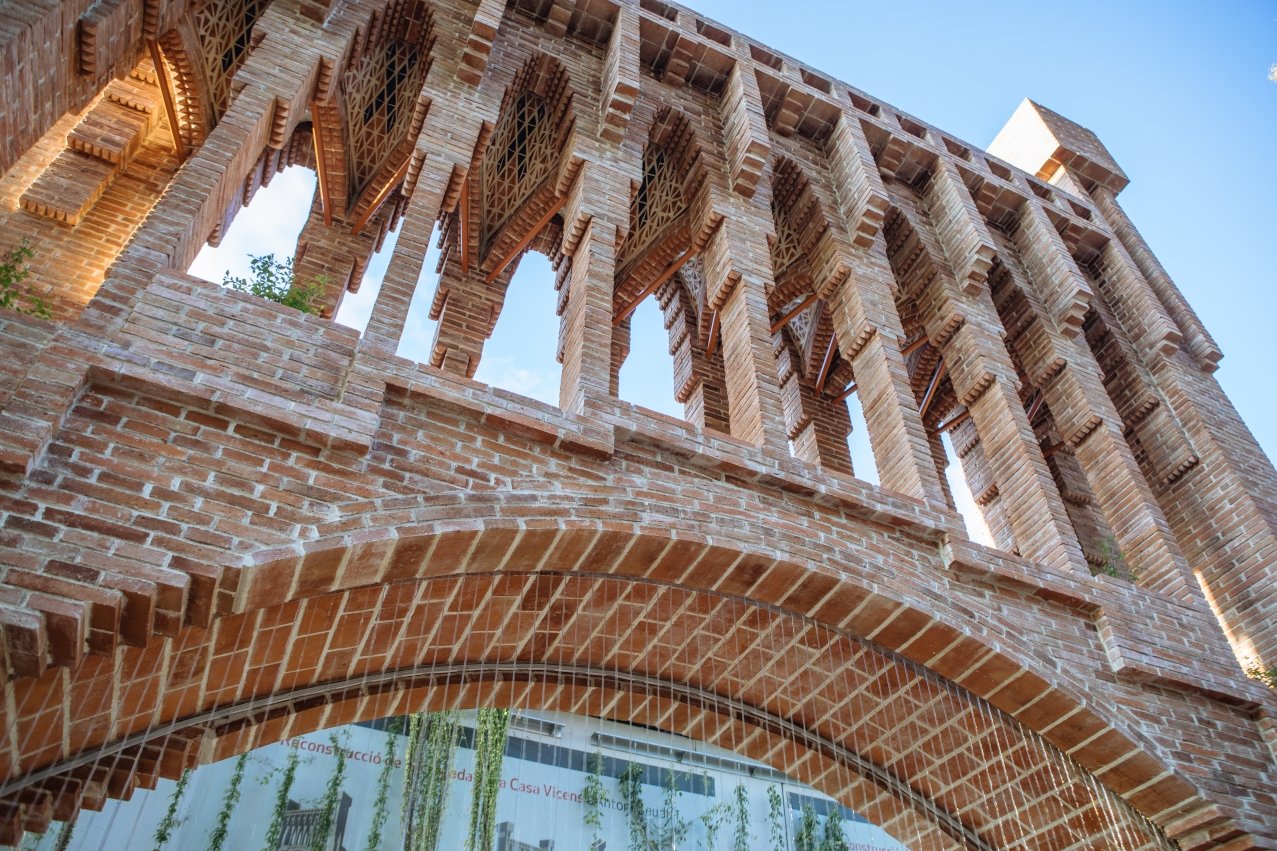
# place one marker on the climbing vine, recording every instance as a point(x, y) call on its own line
point(673, 827)
point(594, 795)
point(713, 819)
point(275, 832)
point(833, 840)
point(776, 818)
point(1267, 676)
point(217, 837)
point(807, 838)
point(741, 835)
point(489, 752)
point(381, 805)
point(164, 830)
point(430, 754)
point(64, 836)
point(332, 795)
point(631, 791)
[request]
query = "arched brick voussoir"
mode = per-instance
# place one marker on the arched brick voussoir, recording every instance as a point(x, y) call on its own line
point(817, 703)
point(525, 532)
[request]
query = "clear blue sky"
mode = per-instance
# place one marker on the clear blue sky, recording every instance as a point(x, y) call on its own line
point(1178, 92)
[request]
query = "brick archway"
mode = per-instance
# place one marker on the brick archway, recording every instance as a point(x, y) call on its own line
point(475, 607)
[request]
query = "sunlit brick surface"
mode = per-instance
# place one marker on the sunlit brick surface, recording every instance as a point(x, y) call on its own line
point(223, 522)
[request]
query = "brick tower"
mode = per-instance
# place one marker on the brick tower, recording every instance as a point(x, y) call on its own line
point(223, 522)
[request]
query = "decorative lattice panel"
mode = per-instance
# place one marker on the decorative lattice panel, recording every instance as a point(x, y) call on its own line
point(381, 93)
point(657, 204)
point(521, 155)
point(225, 32)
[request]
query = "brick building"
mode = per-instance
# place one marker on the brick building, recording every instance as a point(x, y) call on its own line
point(225, 522)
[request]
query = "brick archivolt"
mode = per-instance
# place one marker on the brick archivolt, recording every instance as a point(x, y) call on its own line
point(165, 454)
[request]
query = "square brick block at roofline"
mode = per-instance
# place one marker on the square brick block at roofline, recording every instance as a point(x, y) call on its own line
point(1041, 141)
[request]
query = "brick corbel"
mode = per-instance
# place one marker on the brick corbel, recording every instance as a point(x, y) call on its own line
point(959, 227)
point(861, 195)
point(744, 129)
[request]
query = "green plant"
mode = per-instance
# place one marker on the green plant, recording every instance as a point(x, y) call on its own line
point(631, 791)
point(1113, 565)
point(13, 272)
point(807, 838)
point(741, 835)
point(832, 839)
point(714, 818)
point(221, 827)
point(275, 280)
point(381, 804)
point(776, 817)
point(594, 795)
point(332, 795)
point(64, 836)
point(673, 826)
point(275, 831)
point(431, 751)
point(1267, 676)
point(489, 752)
point(170, 821)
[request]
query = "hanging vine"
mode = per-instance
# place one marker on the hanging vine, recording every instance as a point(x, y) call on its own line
point(776, 817)
point(164, 830)
point(631, 791)
point(713, 819)
point(431, 752)
point(64, 836)
point(741, 836)
point(221, 827)
point(381, 805)
point(833, 840)
point(332, 794)
point(275, 832)
point(594, 795)
point(808, 836)
point(673, 826)
point(489, 752)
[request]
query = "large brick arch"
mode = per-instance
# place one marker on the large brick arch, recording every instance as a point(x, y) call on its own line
point(496, 592)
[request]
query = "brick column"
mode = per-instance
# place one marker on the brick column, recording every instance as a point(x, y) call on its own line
point(824, 437)
point(738, 275)
point(587, 318)
point(335, 255)
point(1198, 340)
point(390, 310)
point(870, 336)
point(467, 307)
point(984, 380)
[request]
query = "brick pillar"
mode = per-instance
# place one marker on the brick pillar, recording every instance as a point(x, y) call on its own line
point(984, 380)
point(1089, 424)
point(738, 275)
point(467, 307)
point(334, 254)
point(587, 318)
point(698, 380)
point(390, 310)
point(1092, 430)
point(1198, 340)
point(824, 439)
point(620, 351)
point(870, 335)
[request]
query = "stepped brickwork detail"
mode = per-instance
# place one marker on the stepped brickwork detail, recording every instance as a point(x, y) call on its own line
point(224, 523)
